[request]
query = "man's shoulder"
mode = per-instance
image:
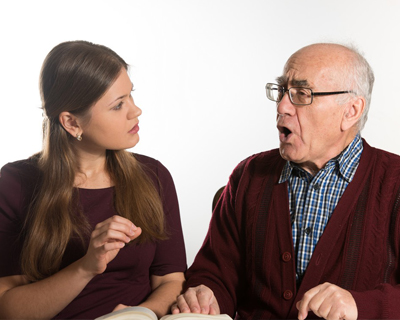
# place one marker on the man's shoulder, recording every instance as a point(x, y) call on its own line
point(390, 156)
point(264, 158)
point(380, 163)
point(262, 163)
point(382, 156)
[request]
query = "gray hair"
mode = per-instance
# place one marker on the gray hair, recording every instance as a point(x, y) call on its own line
point(360, 78)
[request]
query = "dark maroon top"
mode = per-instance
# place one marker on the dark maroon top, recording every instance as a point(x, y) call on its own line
point(127, 278)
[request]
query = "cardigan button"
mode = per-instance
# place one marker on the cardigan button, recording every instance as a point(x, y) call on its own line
point(286, 256)
point(288, 294)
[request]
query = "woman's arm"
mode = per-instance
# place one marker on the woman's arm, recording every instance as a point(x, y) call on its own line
point(20, 299)
point(165, 289)
point(46, 298)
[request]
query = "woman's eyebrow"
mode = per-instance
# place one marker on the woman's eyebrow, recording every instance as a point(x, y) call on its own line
point(121, 97)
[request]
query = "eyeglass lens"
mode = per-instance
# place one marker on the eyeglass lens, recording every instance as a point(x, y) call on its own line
point(301, 96)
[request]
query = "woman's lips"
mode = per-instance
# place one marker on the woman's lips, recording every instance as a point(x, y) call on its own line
point(135, 129)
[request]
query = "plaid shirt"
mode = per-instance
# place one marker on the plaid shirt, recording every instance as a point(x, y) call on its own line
point(313, 199)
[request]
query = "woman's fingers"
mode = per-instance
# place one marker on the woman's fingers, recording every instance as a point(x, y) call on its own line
point(115, 223)
point(108, 237)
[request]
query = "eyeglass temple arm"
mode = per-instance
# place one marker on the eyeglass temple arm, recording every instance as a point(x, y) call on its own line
point(330, 93)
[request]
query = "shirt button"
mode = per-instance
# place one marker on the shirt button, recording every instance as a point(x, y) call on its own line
point(286, 256)
point(307, 230)
point(288, 294)
point(316, 186)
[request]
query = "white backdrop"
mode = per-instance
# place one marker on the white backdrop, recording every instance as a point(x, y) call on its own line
point(199, 68)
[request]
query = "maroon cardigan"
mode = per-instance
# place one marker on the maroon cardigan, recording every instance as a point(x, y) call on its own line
point(247, 258)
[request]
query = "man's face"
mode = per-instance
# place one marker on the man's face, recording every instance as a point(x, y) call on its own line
point(311, 135)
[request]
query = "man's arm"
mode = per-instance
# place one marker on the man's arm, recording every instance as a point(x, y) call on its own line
point(213, 281)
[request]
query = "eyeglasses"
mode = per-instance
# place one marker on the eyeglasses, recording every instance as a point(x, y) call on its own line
point(298, 96)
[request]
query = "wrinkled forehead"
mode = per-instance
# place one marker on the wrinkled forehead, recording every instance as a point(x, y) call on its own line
point(313, 68)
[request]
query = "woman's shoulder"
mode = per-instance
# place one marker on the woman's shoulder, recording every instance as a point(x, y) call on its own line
point(146, 160)
point(18, 182)
point(151, 164)
point(26, 169)
point(154, 168)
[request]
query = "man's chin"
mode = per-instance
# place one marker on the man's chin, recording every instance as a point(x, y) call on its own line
point(288, 153)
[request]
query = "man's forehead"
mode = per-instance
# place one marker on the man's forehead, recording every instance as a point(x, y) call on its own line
point(309, 74)
point(312, 67)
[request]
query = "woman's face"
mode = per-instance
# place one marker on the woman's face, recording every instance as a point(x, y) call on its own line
point(113, 122)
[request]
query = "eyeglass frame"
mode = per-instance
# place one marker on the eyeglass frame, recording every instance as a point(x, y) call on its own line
point(312, 93)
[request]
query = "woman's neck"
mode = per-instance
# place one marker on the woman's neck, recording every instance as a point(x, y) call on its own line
point(92, 172)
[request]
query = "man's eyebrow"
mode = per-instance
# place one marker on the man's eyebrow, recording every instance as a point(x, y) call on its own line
point(299, 83)
point(281, 80)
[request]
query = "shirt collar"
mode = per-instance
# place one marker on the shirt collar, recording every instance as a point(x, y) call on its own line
point(347, 162)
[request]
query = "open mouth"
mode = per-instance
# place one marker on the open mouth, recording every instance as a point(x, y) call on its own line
point(285, 131)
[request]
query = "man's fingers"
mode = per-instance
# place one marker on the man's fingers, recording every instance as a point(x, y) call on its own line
point(196, 300)
point(205, 298)
point(214, 308)
point(188, 302)
point(175, 309)
point(328, 301)
point(304, 304)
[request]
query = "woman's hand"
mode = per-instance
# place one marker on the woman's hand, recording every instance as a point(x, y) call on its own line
point(106, 240)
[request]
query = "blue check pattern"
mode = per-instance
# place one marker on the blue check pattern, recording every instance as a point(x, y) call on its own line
point(312, 199)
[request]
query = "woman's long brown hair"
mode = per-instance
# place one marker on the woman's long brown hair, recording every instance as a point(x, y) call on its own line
point(74, 76)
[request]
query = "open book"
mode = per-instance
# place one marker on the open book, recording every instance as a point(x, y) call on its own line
point(141, 313)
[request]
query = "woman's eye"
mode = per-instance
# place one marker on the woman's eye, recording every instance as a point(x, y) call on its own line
point(119, 106)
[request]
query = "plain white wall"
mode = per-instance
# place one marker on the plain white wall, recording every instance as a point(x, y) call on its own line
point(199, 68)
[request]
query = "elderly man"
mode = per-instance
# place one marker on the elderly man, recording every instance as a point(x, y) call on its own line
point(311, 229)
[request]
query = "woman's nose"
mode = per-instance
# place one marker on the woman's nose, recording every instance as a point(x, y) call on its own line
point(134, 110)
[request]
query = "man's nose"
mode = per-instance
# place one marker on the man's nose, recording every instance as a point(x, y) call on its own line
point(285, 106)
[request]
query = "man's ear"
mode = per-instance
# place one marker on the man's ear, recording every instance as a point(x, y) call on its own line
point(70, 123)
point(352, 113)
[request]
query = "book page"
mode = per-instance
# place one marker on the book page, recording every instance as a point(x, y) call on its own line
point(130, 313)
point(196, 316)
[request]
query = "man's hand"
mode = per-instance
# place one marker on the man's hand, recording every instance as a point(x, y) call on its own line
point(196, 300)
point(328, 301)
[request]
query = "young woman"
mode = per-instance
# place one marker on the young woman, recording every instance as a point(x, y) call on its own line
point(85, 226)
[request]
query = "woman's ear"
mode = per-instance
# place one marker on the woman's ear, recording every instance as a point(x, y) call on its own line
point(352, 113)
point(70, 123)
